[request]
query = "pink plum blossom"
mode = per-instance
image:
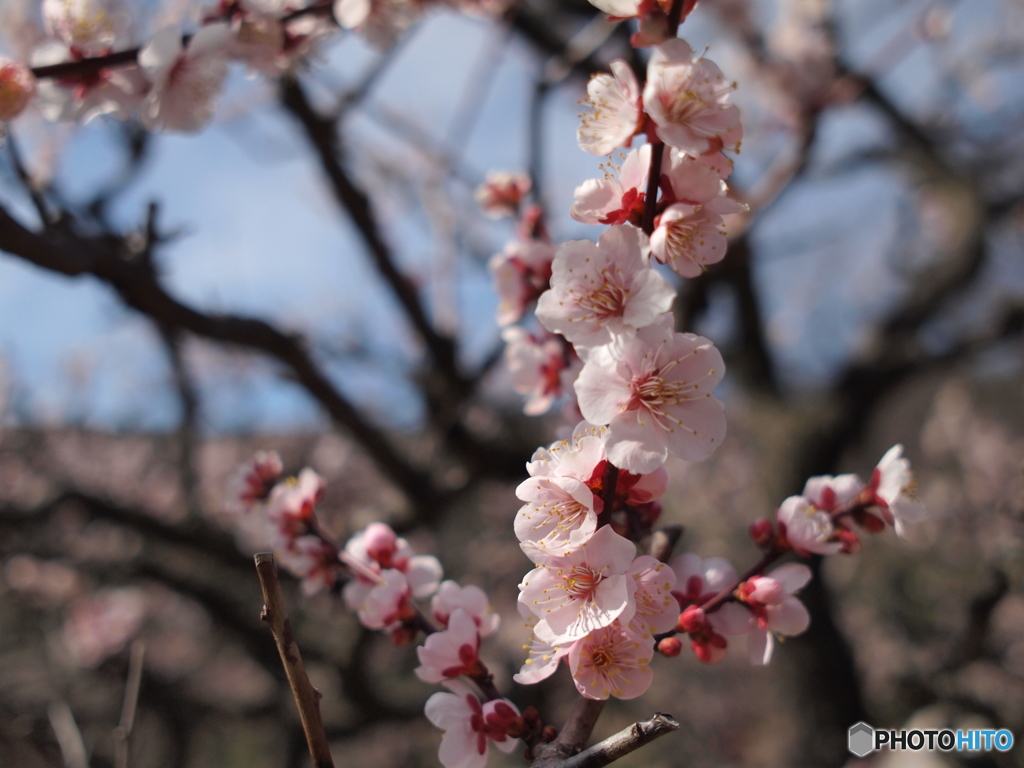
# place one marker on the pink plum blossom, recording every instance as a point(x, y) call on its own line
point(256, 479)
point(471, 599)
point(469, 727)
point(656, 607)
point(186, 80)
point(543, 368)
point(829, 493)
point(451, 652)
point(614, 200)
point(521, 273)
point(688, 100)
point(688, 234)
point(698, 581)
point(291, 503)
point(502, 193)
point(386, 602)
point(775, 608)
point(377, 549)
point(612, 661)
point(616, 115)
point(309, 558)
point(893, 490)
point(603, 292)
point(655, 396)
point(583, 589)
point(807, 528)
point(17, 87)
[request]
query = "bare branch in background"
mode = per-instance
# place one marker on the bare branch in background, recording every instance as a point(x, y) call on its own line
point(69, 737)
point(123, 732)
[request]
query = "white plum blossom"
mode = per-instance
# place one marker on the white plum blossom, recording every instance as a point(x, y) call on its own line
point(808, 528)
point(99, 625)
point(894, 491)
point(689, 234)
point(471, 599)
point(655, 396)
point(502, 193)
point(90, 27)
point(585, 589)
point(620, 9)
point(612, 661)
point(116, 91)
point(451, 652)
point(543, 652)
point(776, 609)
point(521, 273)
point(186, 80)
point(614, 200)
point(657, 610)
point(616, 115)
point(17, 87)
point(603, 292)
point(688, 100)
point(543, 368)
point(469, 727)
point(563, 492)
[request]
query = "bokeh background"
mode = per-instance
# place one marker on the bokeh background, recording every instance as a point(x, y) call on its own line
point(874, 295)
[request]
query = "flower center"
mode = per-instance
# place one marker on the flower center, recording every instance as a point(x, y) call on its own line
point(580, 582)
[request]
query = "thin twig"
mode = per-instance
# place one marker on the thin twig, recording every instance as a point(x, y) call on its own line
point(307, 698)
point(69, 737)
point(623, 742)
point(123, 732)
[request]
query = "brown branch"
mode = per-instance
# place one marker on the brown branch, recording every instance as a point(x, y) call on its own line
point(664, 541)
point(123, 732)
point(622, 743)
point(137, 283)
point(307, 698)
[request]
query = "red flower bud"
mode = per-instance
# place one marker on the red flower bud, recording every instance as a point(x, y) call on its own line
point(670, 646)
point(762, 533)
point(692, 620)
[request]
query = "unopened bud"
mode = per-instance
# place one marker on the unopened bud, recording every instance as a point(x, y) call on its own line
point(17, 87)
point(762, 533)
point(531, 715)
point(670, 646)
point(548, 734)
point(691, 620)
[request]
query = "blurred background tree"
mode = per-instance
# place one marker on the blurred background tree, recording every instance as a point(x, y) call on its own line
point(309, 274)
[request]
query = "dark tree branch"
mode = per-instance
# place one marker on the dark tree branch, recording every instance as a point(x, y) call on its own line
point(135, 280)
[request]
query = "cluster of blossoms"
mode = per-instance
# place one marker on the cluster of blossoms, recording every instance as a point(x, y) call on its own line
point(381, 579)
point(91, 62)
point(602, 339)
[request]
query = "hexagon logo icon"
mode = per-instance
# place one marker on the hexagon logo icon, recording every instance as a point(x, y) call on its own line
point(861, 739)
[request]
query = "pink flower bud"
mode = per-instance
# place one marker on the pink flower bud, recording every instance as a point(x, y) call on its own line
point(17, 87)
point(692, 620)
point(764, 590)
point(380, 542)
point(762, 533)
point(670, 646)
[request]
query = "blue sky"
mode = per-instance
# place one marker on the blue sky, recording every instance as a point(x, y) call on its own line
point(260, 234)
